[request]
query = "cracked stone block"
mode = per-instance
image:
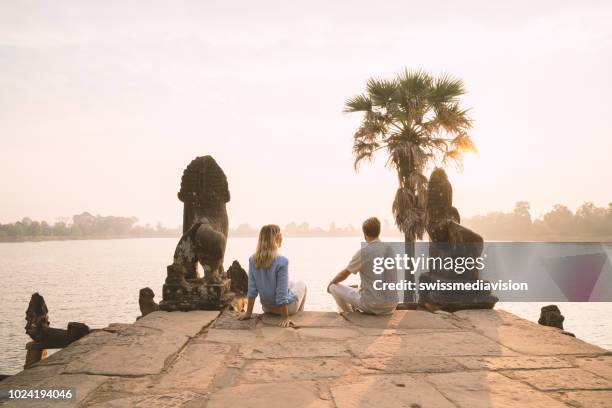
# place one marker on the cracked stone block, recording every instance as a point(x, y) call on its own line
point(142, 355)
point(524, 336)
point(327, 333)
point(195, 368)
point(512, 363)
point(292, 394)
point(406, 364)
point(486, 389)
point(587, 399)
point(294, 370)
point(144, 347)
point(310, 319)
point(602, 366)
point(402, 319)
point(387, 391)
point(427, 344)
point(561, 379)
point(294, 349)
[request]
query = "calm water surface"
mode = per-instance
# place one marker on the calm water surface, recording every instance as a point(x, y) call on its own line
point(97, 282)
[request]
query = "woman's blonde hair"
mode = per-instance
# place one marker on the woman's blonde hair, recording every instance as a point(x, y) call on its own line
point(267, 246)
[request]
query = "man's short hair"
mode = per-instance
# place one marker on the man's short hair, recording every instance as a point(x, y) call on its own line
point(371, 227)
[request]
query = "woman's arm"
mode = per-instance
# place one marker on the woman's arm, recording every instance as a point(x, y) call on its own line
point(252, 293)
point(285, 321)
point(282, 291)
point(249, 311)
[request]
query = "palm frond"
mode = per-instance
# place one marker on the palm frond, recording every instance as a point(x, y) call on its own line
point(446, 89)
point(381, 91)
point(464, 143)
point(358, 103)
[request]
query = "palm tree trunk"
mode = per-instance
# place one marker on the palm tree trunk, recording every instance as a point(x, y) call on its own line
point(409, 249)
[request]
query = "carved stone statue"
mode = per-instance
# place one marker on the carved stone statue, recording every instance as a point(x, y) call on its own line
point(45, 337)
point(551, 316)
point(146, 302)
point(449, 239)
point(204, 193)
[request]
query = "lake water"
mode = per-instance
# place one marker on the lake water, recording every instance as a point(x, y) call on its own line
point(97, 282)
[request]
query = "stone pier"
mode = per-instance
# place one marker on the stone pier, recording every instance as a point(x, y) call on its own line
point(417, 359)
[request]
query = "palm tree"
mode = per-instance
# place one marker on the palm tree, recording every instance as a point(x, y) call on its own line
point(418, 120)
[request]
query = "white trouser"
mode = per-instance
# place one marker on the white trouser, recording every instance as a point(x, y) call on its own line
point(350, 299)
point(347, 298)
point(299, 288)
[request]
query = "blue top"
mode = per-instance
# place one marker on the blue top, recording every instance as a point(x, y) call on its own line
point(271, 283)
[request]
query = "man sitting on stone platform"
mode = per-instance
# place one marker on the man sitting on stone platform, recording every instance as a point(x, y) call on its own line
point(366, 299)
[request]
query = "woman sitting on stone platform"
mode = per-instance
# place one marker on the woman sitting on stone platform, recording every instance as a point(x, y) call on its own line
point(269, 278)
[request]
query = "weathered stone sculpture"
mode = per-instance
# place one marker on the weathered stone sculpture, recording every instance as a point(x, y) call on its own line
point(551, 316)
point(204, 192)
point(45, 337)
point(449, 239)
point(146, 302)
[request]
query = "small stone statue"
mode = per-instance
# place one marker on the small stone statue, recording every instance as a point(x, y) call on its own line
point(449, 239)
point(45, 337)
point(204, 193)
point(146, 302)
point(551, 316)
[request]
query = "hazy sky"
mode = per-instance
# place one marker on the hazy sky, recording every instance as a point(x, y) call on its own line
point(103, 104)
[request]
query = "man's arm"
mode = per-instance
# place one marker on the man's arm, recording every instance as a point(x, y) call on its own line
point(340, 277)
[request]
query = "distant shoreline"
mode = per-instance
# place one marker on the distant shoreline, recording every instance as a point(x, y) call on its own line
point(578, 239)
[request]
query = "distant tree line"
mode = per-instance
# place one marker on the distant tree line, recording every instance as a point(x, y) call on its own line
point(83, 225)
point(589, 222)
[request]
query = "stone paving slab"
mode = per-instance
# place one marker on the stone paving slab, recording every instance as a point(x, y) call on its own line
point(295, 370)
point(310, 319)
point(195, 368)
point(427, 344)
point(402, 319)
point(303, 349)
point(327, 333)
point(406, 364)
point(290, 394)
point(180, 323)
point(387, 391)
point(229, 320)
point(489, 389)
point(142, 348)
point(602, 366)
point(117, 389)
point(31, 377)
point(587, 399)
point(512, 363)
point(562, 379)
point(523, 336)
point(165, 400)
